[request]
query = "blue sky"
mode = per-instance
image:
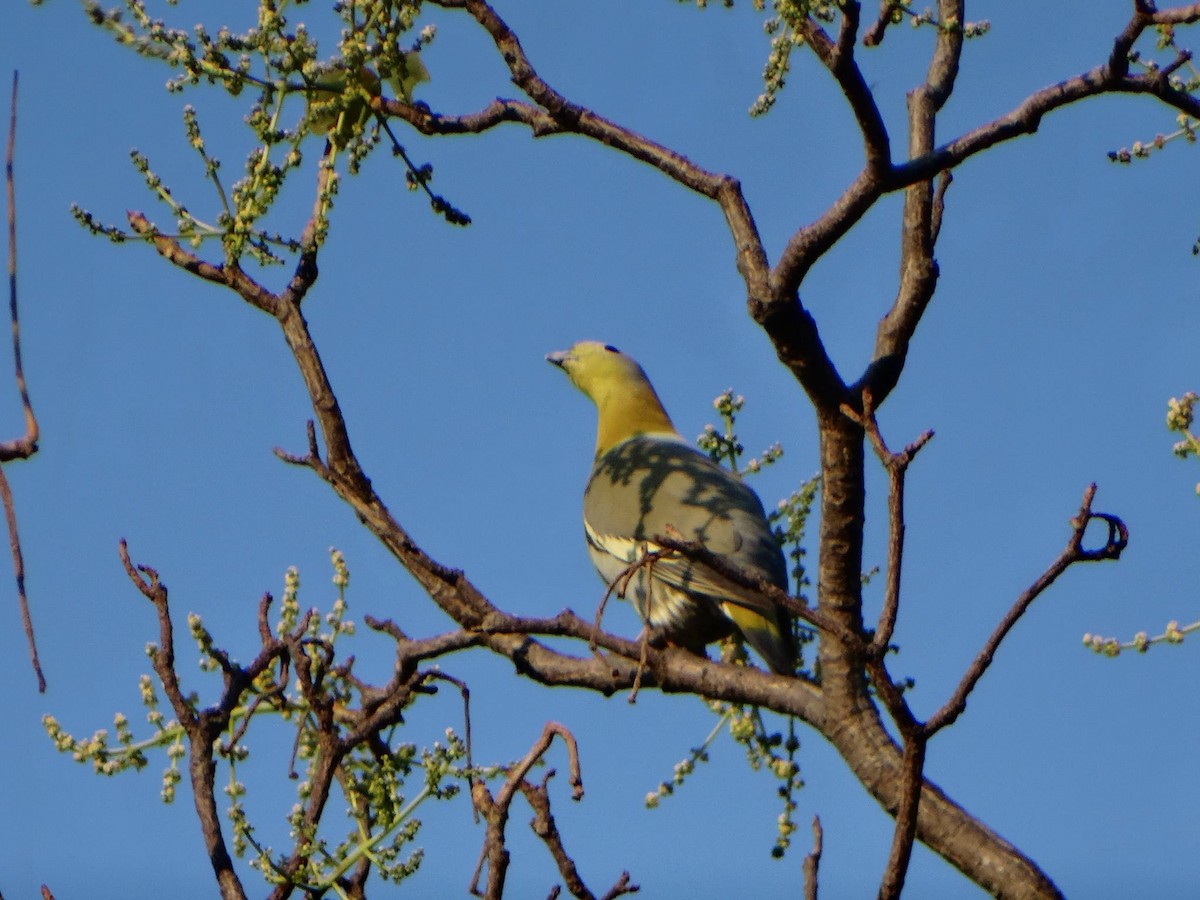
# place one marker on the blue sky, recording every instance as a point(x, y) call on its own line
point(1064, 319)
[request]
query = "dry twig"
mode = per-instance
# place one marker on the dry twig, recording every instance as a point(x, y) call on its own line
point(25, 446)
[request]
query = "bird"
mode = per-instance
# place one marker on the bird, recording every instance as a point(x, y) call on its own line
point(648, 483)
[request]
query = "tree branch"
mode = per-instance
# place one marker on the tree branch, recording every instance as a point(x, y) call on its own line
point(838, 58)
point(874, 35)
point(794, 606)
point(544, 826)
point(905, 830)
point(23, 447)
point(495, 812)
point(896, 465)
point(202, 730)
point(1115, 542)
point(812, 862)
point(1026, 117)
point(918, 269)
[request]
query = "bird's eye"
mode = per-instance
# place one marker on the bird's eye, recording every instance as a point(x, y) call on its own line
point(611, 349)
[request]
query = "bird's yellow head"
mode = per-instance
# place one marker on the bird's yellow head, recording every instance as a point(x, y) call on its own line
point(624, 398)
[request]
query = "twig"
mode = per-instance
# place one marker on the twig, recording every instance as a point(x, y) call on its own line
point(896, 465)
point(945, 179)
point(1115, 542)
point(641, 666)
point(23, 447)
point(202, 729)
point(812, 862)
point(466, 698)
point(14, 543)
point(544, 826)
point(726, 569)
point(874, 35)
point(26, 446)
point(495, 811)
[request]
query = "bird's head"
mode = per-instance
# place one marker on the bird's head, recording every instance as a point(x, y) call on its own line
point(623, 395)
point(596, 368)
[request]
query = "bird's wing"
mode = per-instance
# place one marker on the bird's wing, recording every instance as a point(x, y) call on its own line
point(651, 487)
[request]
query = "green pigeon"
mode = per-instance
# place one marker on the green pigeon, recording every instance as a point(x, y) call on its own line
point(648, 483)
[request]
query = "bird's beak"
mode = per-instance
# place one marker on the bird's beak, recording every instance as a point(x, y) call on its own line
point(558, 358)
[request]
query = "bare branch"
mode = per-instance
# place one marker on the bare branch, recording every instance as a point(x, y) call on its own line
point(905, 830)
point(228, 276)
point(727, 569)
point(1115, 542)
point(896, 465)
point(561, 116)
point(838, 58)
point(812, 862)
point(202, 730)
point(495, 811)
point(413, 651)
point(790, 326)
point(918, 269)
point(874, 35)
point(544, 827)
point(25, 446)
point(14, 544)
point(146, 581)
point(1111, 77)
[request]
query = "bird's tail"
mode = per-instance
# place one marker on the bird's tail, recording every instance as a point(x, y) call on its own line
point(772, 643)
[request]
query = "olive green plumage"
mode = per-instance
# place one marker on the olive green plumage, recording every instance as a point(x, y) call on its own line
point(647, 482)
